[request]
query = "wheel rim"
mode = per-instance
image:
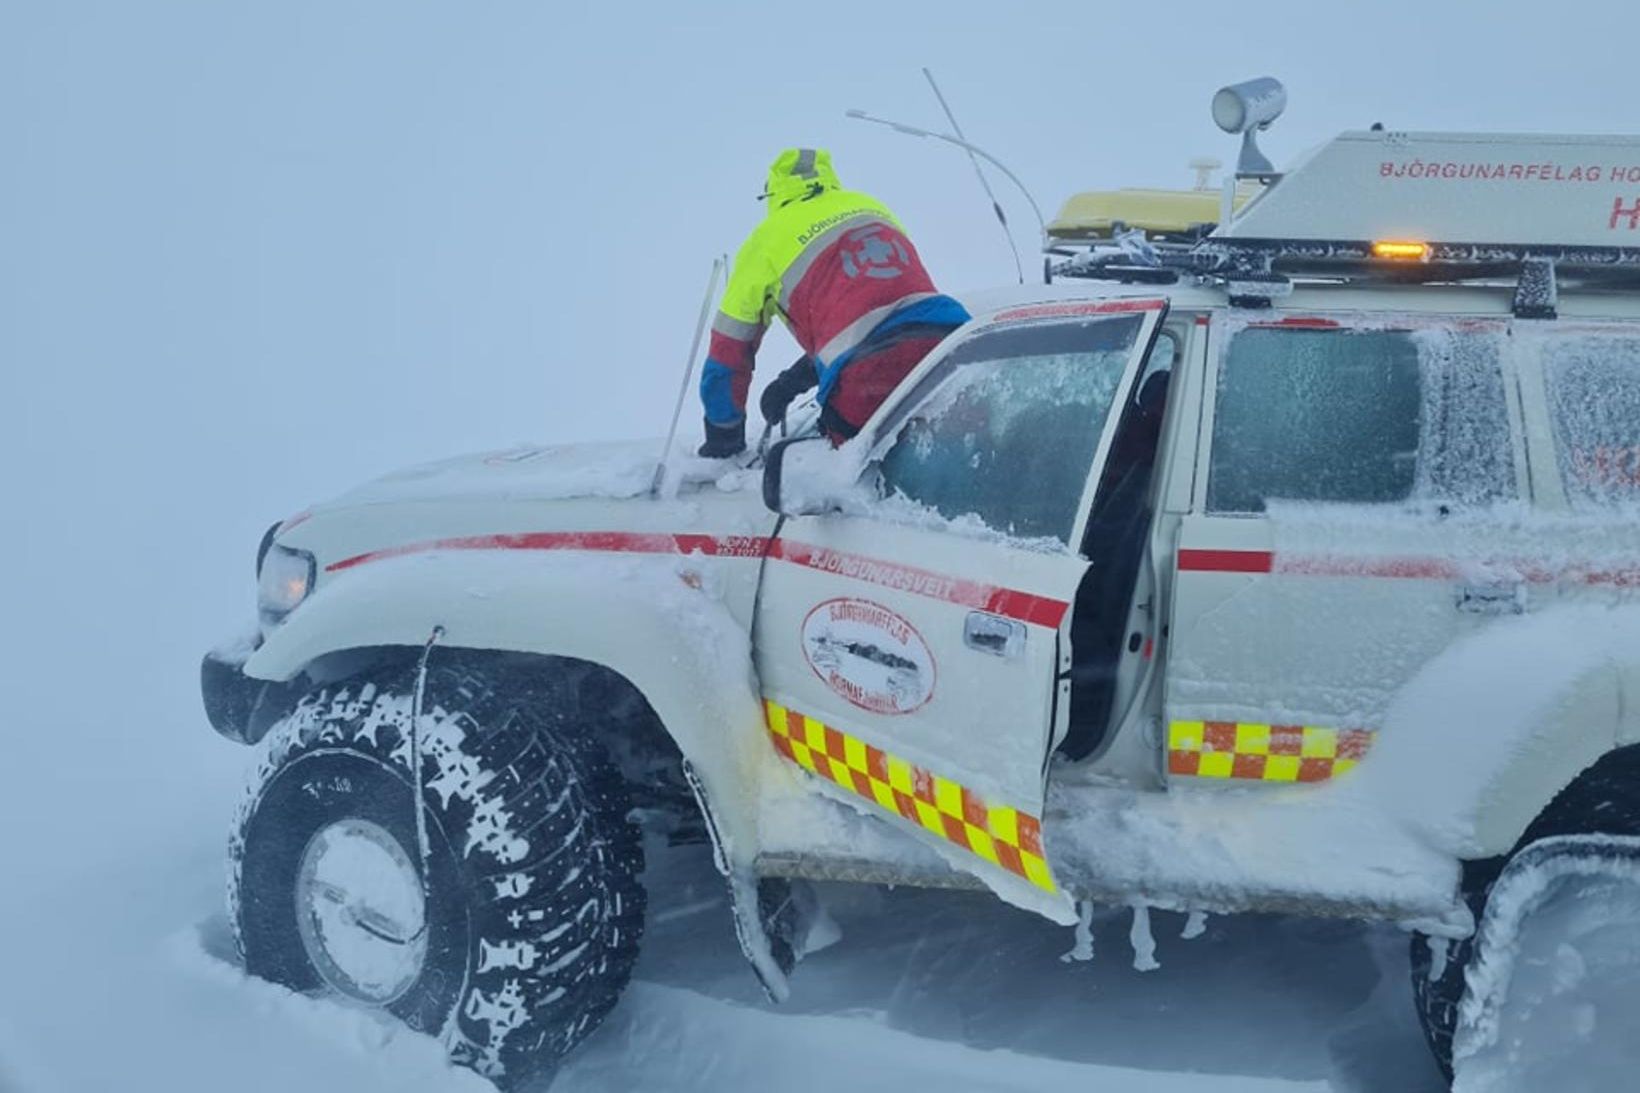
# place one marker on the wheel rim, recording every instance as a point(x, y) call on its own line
point(361, 911)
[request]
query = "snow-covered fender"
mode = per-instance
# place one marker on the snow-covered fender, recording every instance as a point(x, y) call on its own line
point(1485, 736)
point(661, 623)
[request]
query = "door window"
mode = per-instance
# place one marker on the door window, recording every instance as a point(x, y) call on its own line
point(1005, 428)
point(1594, 402)
point(1359, 416)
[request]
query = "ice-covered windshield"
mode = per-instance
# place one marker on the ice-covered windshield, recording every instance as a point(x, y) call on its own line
point(1594, 402)
point(1005, 429)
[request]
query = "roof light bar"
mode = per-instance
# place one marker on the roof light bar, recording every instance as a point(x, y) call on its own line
point(1400, 250)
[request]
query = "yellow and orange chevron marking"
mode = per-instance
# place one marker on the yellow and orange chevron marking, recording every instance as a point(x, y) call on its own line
point(1263, 753)
point(1005, 837)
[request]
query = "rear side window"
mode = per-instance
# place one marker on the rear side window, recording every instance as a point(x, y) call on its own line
point(1005, 429)
point(1594, 402)
point(1359, 417)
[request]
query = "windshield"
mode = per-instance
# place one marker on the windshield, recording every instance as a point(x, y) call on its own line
point(1005, 429)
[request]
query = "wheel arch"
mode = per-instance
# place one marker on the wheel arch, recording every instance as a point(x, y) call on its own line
point(1485, 737)
point(1592, 805)
point(641, 628)
point(1603, 798)
point(1564, 760)
point(1576, 735)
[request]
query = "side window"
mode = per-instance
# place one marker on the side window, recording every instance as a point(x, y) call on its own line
point(1594, 402)
point(1359, 416)
point(1005, 429)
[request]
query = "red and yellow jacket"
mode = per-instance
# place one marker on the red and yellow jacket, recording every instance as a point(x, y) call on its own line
point(834, 264)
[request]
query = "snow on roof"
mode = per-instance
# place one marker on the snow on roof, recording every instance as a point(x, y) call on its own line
point(1461, 188)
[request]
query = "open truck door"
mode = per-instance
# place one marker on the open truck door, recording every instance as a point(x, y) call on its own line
point(914, 649)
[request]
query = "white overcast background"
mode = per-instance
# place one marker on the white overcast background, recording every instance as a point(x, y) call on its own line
point(252, 253)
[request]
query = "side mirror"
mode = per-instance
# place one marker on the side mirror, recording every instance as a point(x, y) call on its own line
point(804, 476)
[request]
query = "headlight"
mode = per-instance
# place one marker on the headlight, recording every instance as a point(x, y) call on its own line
point(284, 580)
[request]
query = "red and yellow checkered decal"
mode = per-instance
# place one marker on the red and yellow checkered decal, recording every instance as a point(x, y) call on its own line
point(1005, 837)
point(1263, 753)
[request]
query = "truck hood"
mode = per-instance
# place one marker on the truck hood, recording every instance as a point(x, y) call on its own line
point(544, 472)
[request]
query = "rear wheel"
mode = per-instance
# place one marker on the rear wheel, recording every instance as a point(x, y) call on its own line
point(1555, 985)
point(504, 920)
point(1601, 800)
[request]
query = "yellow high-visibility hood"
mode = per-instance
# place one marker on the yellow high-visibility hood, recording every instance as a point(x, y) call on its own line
point(796, 171)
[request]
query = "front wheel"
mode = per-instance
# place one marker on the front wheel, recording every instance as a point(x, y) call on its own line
point(505, 919)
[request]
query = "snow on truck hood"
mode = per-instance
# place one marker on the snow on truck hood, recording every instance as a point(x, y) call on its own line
point(544, 472)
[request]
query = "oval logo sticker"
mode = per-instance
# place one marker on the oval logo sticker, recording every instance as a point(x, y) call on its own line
point(869, 655)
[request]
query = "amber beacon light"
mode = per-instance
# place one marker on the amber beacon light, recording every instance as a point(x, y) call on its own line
point(1400, 250)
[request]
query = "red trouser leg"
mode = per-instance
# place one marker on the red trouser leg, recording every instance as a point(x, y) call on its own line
point(868, 380)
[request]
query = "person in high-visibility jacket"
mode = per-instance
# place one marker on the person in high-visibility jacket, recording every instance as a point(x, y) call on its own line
point(838, 268)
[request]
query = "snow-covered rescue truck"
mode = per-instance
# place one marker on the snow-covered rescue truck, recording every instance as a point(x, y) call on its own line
point(1289, 566)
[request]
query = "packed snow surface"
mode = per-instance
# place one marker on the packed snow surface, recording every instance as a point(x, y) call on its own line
point(924, 989)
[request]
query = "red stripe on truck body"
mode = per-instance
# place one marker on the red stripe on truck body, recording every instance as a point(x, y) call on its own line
point(1008, 602)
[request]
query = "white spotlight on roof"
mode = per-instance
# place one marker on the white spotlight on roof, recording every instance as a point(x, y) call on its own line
point(1246, 108)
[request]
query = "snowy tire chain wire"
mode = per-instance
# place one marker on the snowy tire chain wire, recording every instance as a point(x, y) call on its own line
point(534, 871)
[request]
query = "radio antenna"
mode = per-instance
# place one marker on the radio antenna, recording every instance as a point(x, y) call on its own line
point(660, 483)
point(996, 206)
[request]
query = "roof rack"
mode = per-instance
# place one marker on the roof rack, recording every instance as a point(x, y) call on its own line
point(1132, 235)
point(1257, 271)
point(1378, 206)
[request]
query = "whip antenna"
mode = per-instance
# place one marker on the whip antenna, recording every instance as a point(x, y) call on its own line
point(718, 266)
point(996, 206)
point(972, 149)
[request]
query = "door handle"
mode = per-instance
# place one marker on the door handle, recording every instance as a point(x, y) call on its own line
point(1494, 598)
point(987, 633)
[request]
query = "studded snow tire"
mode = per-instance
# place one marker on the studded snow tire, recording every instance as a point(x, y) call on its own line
point(533, 909)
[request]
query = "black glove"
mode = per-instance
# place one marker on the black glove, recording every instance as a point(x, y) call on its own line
point(784, 388)
point(723, 441)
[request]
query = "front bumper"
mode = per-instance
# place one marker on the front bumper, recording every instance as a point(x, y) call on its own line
point(239, 707)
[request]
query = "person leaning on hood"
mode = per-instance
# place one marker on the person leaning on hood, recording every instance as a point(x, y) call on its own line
point(838, 268)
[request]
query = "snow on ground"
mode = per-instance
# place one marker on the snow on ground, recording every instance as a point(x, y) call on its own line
point(958, 991)
point(120, 975)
